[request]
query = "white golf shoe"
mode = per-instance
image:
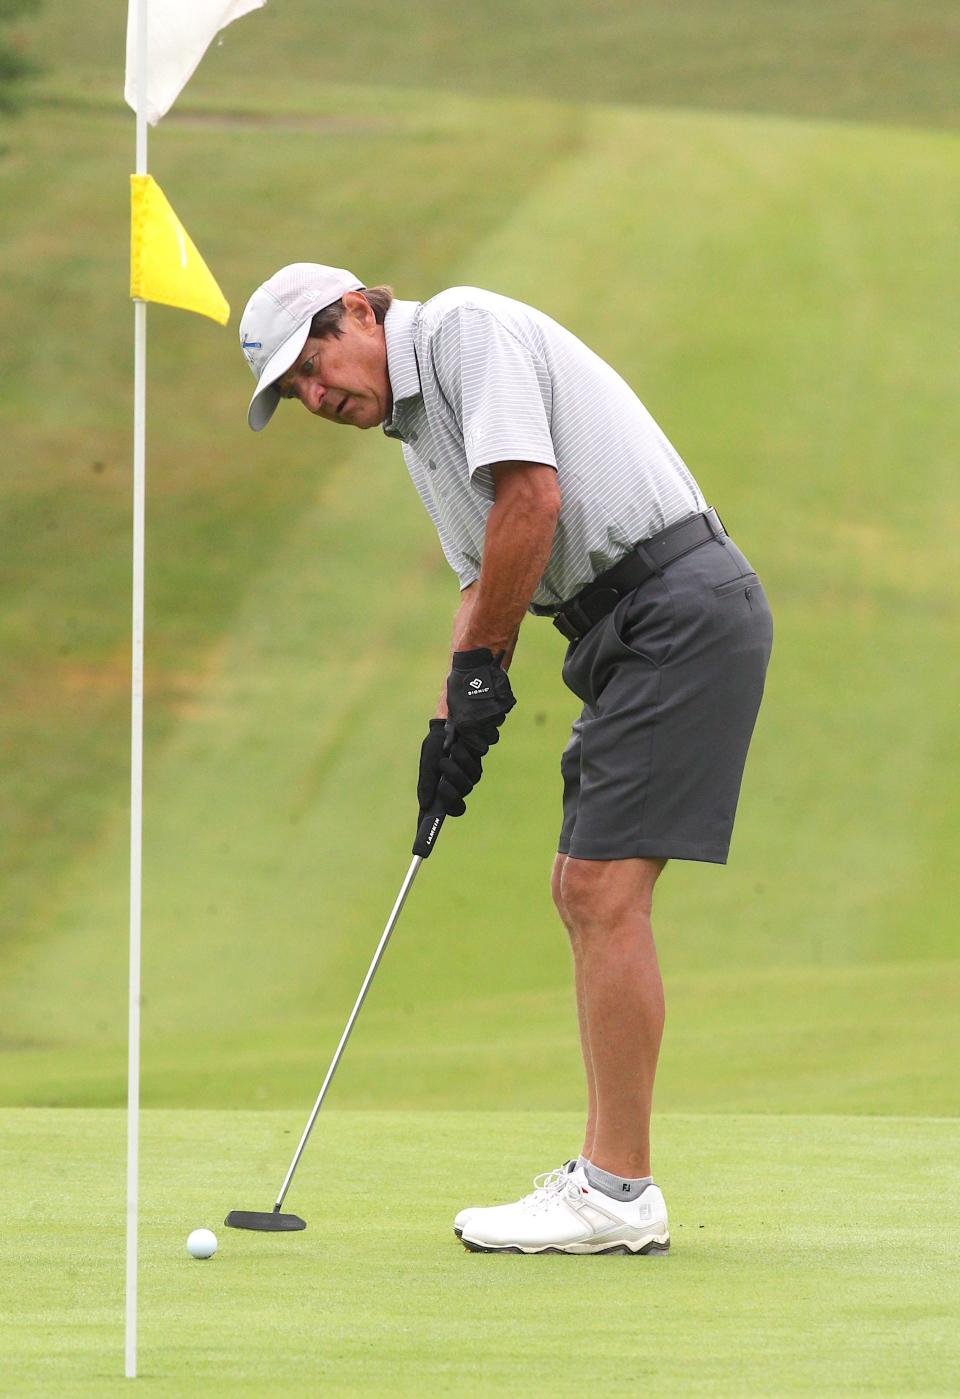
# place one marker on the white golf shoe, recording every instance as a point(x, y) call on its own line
point(543, 1184)
point(571, 1217)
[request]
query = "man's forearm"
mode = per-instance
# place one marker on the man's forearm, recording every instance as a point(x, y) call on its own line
point(516, 549)
point(461, 622)
point(517, 544)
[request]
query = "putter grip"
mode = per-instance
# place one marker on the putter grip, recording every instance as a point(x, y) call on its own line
point(429, 830)
point(431, 823)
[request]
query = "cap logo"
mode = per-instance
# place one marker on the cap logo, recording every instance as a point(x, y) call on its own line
point(252, 345)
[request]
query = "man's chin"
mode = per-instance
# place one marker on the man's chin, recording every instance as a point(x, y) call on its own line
point(365, 417)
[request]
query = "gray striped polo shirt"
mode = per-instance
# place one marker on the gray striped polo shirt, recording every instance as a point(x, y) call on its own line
point(477, 379)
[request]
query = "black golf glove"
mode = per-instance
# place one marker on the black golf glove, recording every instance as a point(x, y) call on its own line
point(431, 755)
point(479, 696)
point(450, 768)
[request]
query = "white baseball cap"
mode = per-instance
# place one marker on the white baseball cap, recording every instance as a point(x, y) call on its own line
point(276, 323)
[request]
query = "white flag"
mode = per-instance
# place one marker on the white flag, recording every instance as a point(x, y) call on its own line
point(179, 34)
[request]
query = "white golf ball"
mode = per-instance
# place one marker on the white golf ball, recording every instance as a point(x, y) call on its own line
point(202, 1243)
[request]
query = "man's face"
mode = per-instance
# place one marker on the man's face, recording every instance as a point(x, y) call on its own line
point(344, 379)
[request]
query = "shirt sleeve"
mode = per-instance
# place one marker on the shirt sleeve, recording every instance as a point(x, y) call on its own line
point(498, 389)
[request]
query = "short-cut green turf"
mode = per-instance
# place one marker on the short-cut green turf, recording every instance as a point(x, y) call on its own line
point(810, 1256)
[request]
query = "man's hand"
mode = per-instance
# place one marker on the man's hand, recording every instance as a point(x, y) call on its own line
point(431, 756)
point(450, 768)
point(479, 696)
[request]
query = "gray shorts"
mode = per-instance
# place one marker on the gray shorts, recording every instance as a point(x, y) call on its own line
point(671, 681)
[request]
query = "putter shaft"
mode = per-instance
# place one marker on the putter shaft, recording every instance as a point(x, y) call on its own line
point(381, 948)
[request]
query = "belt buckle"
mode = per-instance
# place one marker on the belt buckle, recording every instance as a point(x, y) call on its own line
point(597, 604)
point(583, 613)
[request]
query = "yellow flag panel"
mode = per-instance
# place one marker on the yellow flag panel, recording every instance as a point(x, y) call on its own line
point(164, 264)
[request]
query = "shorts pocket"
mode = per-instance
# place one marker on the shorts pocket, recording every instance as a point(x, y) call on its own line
point(643, 622)
point(736, 585)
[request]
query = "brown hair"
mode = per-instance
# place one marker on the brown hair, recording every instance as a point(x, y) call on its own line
point(327, 322)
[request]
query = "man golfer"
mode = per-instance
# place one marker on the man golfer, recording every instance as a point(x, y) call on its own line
point(554, 492)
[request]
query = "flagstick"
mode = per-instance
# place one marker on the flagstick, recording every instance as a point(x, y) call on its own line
point(136, 743)
point(136, 825)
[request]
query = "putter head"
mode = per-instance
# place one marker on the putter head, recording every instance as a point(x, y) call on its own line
point(268, 1223)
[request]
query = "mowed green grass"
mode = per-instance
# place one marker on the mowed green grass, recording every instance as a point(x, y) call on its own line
point(780, 293)
point(810, 1256)
point(772, 293)
point(862, 60)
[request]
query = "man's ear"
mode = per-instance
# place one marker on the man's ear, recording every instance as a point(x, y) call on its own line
point(357, 306)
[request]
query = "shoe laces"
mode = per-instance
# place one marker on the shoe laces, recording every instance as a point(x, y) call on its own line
point(556, 1186)
point(546, 1185)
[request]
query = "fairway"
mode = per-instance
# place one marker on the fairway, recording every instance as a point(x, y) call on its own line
point(277, 825)
point(810, 1255)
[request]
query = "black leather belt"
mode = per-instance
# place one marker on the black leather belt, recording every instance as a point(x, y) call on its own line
point(650, 556)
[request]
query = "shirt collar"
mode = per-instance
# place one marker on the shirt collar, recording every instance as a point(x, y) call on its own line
point(402, 368)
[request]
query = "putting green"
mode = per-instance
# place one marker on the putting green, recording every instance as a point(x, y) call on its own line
point(811, 1255)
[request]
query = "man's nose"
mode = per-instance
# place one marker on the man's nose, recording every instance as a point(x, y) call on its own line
point(312, 395)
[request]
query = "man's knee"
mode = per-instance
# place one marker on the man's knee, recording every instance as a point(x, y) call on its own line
point(604, 891)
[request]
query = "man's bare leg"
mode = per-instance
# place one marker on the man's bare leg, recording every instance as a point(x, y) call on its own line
point(605, 905)
point(589, 1129)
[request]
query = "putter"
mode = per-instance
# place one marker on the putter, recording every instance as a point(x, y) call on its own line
point(274, 1221)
